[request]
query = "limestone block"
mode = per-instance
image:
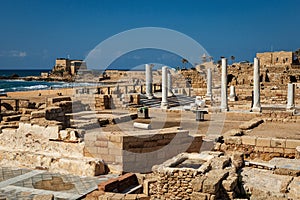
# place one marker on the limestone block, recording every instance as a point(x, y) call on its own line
point(268, 149)
point(43, 197)
point(233, 140)
point(263, 142)
point(52, 132)
point(24, 127)
point(63, 134)
point(211, 185)
point(289, 151)
point(276, 142)
point(38, 114)
point(197, 183)
point(82, 167)
point(220, 162)
point(8, 131)
point(292, 144)
point(37, 129)
point(249, 140)
point(230, 183)
point(200, 196)
point(251, 124)
point(238, 160)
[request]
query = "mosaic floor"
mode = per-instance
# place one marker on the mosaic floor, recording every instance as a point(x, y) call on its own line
point(25, 184)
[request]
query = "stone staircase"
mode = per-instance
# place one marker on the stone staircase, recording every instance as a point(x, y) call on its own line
point(174, 101)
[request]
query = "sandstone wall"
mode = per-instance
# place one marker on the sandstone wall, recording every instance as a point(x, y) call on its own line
point(138, 151)
point(265, 148)
point(30, 146)
point(275, 58)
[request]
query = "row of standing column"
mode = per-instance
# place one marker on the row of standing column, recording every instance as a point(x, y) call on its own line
point(166, 84)
point(256, 106)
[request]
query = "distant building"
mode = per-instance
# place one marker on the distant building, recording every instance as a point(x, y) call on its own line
point(77, 65)
point(44, 74)
point(65, 66)
point(276, 58)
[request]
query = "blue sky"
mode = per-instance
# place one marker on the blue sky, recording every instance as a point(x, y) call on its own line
point(35, 32)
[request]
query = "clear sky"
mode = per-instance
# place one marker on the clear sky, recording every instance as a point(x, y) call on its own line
point(35, 32)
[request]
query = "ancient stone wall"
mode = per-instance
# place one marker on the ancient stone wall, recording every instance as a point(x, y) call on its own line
point(216, 178)
point(138, 151)
point(275, 58)
point(32, 146)
point(265, 148)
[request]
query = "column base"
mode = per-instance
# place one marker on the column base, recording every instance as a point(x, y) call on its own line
point(290, 107)
point(164, 105)
point(224, 109)
point(150, 96)
point(256, 109)
point(232, 98)
point(170, 94)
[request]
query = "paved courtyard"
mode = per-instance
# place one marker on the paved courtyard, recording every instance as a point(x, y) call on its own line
point(25, 184)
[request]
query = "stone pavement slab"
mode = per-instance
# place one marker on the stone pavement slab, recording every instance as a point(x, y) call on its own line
point(25, 184)
point(285, 163)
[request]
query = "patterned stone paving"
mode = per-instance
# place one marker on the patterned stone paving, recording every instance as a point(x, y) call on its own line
point(25, 184)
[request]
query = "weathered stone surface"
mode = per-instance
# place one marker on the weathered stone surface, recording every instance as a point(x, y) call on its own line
point(234, 132)
point(43, 197)
point(249, 140)
point(251, 124)
point(259, 181)
point(292, 144)
point(230, 183)
point(80, 166)
point(263, 142)
point(214, 178)
point(294, 188)
point(52, 132)
point(220, 162)
point(38, 114)
point(238, 160)
point(233, 140)
point(197, 183)
point(200, 196)
point(278, 143)
point(285, 166)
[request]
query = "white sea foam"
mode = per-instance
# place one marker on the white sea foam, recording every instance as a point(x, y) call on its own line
point(35, 87)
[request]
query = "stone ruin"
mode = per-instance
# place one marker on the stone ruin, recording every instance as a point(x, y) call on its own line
point(54, 136)
point(208, 175)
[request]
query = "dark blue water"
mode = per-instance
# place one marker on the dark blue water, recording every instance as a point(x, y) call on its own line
point(20, 85)
point(22, 72)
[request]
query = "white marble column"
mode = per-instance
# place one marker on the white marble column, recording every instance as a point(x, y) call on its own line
point(149, 80)
point(164, 101)
point(256, 87)
point(224, 100)
point(291, 96)
point(209, 84)
point(232, 93)
point(170, 92)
